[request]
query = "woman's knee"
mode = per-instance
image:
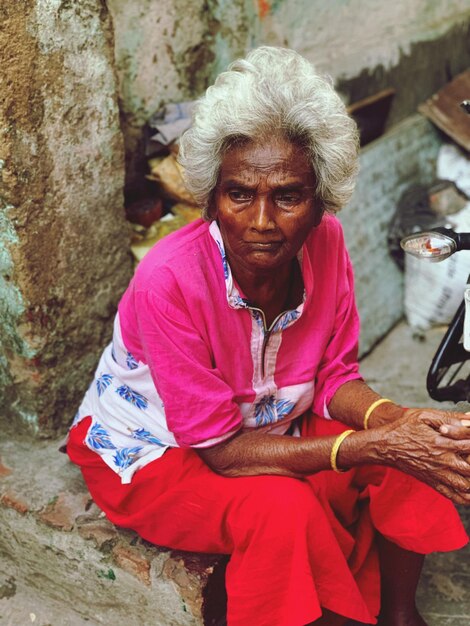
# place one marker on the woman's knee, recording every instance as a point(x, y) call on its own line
point(280, 501)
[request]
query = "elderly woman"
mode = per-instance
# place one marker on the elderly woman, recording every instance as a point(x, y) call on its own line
point(229, 416)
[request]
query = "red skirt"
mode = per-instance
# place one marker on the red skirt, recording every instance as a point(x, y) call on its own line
point(296, 546)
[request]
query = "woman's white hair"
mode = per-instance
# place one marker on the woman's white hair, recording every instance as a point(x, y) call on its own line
point(273, 92)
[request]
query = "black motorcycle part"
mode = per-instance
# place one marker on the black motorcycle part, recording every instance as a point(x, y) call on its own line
point(449, 375)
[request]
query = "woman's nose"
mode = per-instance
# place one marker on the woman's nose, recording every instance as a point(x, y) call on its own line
point(263, 213)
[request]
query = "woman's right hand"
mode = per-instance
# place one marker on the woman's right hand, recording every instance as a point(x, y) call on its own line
point(433, 446)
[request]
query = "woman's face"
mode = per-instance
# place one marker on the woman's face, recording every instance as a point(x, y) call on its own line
point(264, 203)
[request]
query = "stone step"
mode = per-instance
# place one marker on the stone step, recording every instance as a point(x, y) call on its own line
point(63, 563)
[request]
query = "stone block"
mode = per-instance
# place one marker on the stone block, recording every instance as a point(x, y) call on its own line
point(14, 501)
point(174, 570)
point(132, 560)
point(100, 531)
point(96, 573)
point(63, 510)
point(200, 581)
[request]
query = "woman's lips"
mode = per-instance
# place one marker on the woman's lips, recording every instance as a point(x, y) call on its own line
point(264, 245)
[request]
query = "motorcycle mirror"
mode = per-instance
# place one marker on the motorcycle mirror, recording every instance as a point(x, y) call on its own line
point(432, 246)
point(465, 106)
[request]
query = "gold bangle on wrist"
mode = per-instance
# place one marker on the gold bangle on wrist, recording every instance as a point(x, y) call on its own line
point(334, 450)
point(372, 408)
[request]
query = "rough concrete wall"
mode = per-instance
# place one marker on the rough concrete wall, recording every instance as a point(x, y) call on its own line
point(388, 166)
point(345, 36)
point(63, 241)
point(412, 46)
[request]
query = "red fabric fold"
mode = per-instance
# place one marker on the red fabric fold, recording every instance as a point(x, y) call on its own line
point(296, 546)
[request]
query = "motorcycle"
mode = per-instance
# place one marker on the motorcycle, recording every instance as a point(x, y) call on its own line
point(448, 377)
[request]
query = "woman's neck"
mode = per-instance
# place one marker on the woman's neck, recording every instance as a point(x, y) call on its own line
point(273, 293)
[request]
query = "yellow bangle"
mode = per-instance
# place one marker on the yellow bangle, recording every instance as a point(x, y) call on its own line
point(334, 450)
point(372, 407)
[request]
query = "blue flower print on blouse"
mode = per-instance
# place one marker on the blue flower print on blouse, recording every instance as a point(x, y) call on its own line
point(103, 382)
point(269, 410)
point(131, 362)
point(224, 260)
point(238, 302)
point(286, 320)
point(284, 407)
point(126, 456)
point(258, 318)
point(137, 399)
point(145, 435)
point(98, 437)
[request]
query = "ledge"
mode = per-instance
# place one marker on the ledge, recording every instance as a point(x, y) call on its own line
point(64, 562)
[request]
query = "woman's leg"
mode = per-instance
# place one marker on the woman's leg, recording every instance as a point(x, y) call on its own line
point(409, 519)
point(280, 541)
point(400, 571)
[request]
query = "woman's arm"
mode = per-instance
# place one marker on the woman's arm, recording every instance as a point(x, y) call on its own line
point(351, 401)
point(412, 444)
point(253, 453)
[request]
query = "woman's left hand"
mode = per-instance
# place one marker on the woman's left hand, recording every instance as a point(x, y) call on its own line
point(454, 431)
point(433, 446)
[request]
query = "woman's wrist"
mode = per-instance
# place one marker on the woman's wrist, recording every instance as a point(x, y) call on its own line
point(352, 401)
point(385, 414)
point(361, 447)
point(372, 408)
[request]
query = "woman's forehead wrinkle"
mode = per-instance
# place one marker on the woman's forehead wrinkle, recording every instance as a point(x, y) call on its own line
point(271, 163)
point(249, 172)
point(271, 178)
point(266, 162)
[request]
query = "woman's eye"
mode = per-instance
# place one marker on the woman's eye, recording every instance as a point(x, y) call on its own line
point(288, 199)
point(240, 195)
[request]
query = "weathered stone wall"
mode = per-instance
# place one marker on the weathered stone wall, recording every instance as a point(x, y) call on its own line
point(406, 154)
point(170, 51)
point(63, 238)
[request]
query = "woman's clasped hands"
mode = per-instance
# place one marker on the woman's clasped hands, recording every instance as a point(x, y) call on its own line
point(434, 447)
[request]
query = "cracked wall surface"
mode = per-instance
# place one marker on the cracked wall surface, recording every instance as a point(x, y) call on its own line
point(63, 242)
